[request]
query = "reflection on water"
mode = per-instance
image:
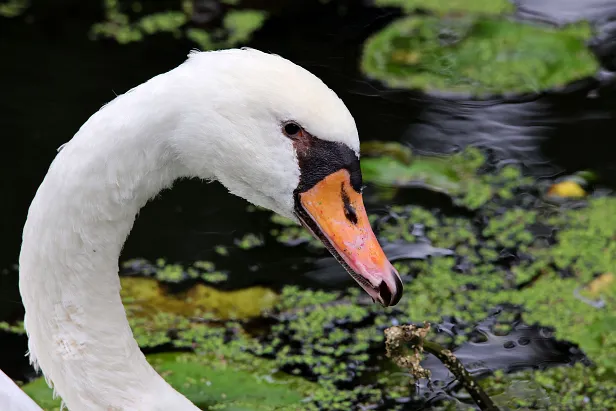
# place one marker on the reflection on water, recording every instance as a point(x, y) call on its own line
point(566, 11)
point(518, 347)
point(543, 132)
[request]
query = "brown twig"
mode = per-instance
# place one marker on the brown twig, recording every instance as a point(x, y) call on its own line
point(399, 339)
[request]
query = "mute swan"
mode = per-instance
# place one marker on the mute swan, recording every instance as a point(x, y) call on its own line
point(267, 129)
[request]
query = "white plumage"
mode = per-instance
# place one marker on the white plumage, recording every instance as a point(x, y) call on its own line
point(216, 117)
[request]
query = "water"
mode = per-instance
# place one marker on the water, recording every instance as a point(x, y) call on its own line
point(53, 78)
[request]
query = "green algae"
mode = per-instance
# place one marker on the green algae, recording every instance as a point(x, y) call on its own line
point(220, 370)
point(176, 273)
point(542, 279)
point(144, 297)
point(249, 241)
point(288, 232)
point(448, 6)
point(326, 349)
point(584, 247)
point(208, 381)
point(556, 389)
point(207, 386)
point(476, 54)
point(457, 175)
point(126, 25)
point(17, 328)
point(154, 313)
point(221, 250)
point(40, 392)
point(242, 23)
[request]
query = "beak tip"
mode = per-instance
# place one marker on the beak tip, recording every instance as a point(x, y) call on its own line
point(389, 297)
point(397, 294)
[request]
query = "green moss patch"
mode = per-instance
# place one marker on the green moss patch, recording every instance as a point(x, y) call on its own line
point(477, 54)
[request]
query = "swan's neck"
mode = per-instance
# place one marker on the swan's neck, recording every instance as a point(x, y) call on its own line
point(76, 227)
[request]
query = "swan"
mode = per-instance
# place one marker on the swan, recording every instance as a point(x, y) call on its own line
point(268, 130)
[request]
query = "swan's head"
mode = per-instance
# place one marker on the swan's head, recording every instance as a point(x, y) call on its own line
point(285, 141)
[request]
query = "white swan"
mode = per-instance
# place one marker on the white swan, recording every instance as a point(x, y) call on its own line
point(267, 129)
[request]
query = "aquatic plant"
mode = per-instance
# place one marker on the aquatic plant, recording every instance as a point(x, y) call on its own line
point(548, 269)
point(459, 175)
point(13, 328)
point(125, 23)
point(176, 273)
point(477, 54)
point(249, 241)
point(220, 375)
point(290, 233)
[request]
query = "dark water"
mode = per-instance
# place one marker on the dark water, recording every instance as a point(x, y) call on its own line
point(53, 77)
point(522, 347)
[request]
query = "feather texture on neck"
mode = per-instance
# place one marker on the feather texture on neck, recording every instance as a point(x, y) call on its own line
point(76, 227)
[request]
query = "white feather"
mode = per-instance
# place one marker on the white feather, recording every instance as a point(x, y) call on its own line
point(217, 116)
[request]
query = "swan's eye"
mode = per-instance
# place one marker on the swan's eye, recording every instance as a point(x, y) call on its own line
point(292, 130)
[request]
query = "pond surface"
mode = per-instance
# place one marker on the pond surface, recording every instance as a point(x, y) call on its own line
point(54, 76)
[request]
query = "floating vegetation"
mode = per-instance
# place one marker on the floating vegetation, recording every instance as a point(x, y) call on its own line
point(218, 372)
point(475, 54)
point(449, 6)
point(126, 24)
point(221, 250)
point(249, 241)
point(17, 328)
point(458, 175)
point(290, 233)
point(176, 273)
point(144, 297)
point(521, 290)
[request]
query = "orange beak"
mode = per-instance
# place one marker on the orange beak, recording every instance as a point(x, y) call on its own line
point(335, 214)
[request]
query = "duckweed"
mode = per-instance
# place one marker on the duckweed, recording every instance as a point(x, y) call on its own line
point(249, 241)
point(460, 176)
point(237, 25)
